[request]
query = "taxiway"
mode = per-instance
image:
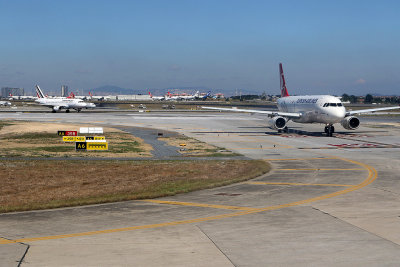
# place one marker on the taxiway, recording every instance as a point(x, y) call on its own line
point(327, 201)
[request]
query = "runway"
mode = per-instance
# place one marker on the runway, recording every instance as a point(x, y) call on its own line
point(327, 201)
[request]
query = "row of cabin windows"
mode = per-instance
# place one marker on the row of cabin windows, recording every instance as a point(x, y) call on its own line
point(332, 105)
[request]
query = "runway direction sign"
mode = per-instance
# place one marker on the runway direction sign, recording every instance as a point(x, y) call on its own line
point(91, 145)
point(74, 138)
point(69, 138)
point(96, 146)
point(95, 138)
point(80, 138)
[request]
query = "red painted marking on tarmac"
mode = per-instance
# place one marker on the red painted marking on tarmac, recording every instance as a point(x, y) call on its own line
point(295, 136)
point(363, 145)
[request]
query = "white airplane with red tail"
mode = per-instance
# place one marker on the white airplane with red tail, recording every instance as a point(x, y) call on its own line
point(325, 109)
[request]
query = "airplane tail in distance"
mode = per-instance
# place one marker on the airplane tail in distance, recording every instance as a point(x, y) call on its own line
point(39, 92)
point(284, 91)
point(151, 96)
point(71, 95)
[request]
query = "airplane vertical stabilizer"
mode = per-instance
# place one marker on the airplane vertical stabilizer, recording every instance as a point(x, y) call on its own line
point(284, 91)
point(39, 92)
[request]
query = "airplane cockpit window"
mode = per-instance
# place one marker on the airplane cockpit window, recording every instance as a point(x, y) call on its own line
point(332, 105)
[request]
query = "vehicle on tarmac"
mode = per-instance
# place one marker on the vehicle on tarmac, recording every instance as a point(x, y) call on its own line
point(5, 103)
point(324, 109)
point(58, 103)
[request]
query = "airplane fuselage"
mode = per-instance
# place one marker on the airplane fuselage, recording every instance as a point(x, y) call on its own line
point(57, 103)
point(314, 108)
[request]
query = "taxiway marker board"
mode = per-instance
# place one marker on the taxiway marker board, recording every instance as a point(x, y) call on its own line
point(69, 138)
point(67, 133)
point(96, 146)
point(80, 146)
point(80, 138)
point(95, 138)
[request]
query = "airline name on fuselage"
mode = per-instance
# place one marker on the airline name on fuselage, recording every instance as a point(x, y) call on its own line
point(307, 100)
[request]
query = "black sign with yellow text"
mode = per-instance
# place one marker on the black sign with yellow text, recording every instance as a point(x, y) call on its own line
point(80, 146)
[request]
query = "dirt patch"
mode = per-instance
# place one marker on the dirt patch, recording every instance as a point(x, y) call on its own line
point(192, 147)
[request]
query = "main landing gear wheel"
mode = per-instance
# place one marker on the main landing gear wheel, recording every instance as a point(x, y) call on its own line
point(67, 111)
point(284, 130)
point(53, 111)
point(329, 130)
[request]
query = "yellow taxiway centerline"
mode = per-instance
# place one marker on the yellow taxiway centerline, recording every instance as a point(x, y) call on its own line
point(197, 204)
point(322, 169)
point(372, 175)
point(277, 183)
point(298, 159)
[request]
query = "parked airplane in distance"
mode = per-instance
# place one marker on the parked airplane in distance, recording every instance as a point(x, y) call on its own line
point(189, 97)
point(169, 96)
point(156, 97)
point(204, 97)
point(325, 109)
point(59, 103)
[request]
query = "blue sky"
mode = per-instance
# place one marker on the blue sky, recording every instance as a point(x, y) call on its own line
point(326, 47)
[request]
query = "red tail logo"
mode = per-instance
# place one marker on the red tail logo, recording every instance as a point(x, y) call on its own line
point(71, 95)
point(284, 91)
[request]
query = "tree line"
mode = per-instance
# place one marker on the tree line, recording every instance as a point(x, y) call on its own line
point(368, 99)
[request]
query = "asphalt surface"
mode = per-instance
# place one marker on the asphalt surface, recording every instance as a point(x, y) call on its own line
point(332, 201)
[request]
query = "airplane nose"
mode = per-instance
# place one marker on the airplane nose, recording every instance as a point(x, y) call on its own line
point(338, 114)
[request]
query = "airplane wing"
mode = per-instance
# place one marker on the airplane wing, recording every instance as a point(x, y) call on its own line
point(348, 113)
point(268, 112)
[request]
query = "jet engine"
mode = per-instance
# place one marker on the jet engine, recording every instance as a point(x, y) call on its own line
point(350, 123)
point(277, 123)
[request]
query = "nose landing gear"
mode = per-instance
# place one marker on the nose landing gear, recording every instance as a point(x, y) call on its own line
point(329, 130)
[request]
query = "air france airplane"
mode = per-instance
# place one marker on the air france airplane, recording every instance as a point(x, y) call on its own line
point(59, 103)
point(325, 109)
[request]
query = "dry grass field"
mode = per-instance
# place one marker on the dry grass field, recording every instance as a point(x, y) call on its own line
point(29, 183)
point(41, 184)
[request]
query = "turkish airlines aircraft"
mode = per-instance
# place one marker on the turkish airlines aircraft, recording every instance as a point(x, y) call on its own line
point(59, 103)
point(156, 97)
point(324, 109)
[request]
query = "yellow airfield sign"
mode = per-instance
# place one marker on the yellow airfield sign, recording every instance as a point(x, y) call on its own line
point(96, 146)
point(74, 138)
point(69, 138)
point(95, 138)
point(80, 138)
